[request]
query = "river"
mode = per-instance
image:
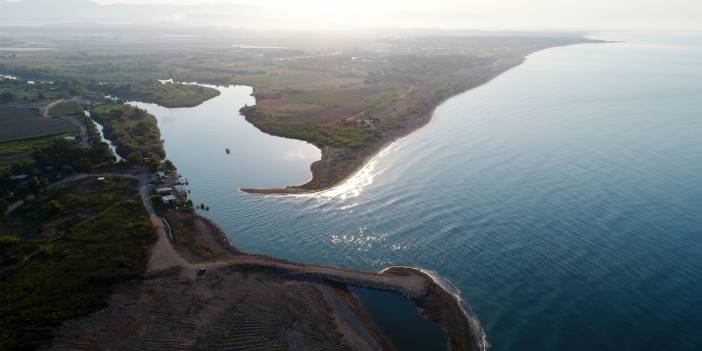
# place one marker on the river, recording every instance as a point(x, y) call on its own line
point(562, 198)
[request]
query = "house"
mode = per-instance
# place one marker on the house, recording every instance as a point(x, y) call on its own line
point(169, 199)
point(164, 191)
point(71, 138)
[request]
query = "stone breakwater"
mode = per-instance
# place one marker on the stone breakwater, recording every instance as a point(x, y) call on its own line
point(411, 287)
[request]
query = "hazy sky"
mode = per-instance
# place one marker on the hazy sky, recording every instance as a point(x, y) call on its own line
point(586, 14)
point(590, 15)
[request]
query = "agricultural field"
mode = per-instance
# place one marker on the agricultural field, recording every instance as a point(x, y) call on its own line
point(78, 241)
point(21, 123)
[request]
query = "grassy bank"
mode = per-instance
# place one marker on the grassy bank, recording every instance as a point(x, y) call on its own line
point(62, 255)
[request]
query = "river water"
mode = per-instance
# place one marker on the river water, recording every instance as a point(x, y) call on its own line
point(563, 198)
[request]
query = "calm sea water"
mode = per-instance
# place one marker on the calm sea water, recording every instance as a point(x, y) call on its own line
point(563, 198)
point(401, 321)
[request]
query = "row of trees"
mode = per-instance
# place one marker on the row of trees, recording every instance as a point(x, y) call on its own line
point(67, 153)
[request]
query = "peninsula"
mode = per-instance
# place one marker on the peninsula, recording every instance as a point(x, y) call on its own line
point(383, 96)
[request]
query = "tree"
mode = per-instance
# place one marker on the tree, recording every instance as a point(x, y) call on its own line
point(154, 162)
point(135, 158)
point(168, 166)
point(101, 152)
point(84, 165)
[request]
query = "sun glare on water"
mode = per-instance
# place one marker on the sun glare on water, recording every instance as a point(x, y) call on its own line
point(354, 185)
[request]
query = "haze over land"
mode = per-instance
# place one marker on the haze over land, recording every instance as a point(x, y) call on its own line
point(317, 14)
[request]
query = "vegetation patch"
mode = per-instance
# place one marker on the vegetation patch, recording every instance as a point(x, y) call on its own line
point(165, 94)
point(134, 131)
point(340, 134)
point(62, 255)
point(17, 149)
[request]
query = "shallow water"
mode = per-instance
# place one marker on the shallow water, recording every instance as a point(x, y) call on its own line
point(562, 198)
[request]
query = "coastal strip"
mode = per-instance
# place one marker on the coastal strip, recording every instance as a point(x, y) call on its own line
point(339, 163)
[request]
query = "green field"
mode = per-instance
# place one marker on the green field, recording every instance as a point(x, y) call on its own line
point(62, 255)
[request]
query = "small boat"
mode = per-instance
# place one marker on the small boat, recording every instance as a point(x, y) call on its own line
point(228, 151)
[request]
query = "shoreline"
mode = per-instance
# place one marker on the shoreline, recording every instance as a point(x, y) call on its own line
point(333, 170)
